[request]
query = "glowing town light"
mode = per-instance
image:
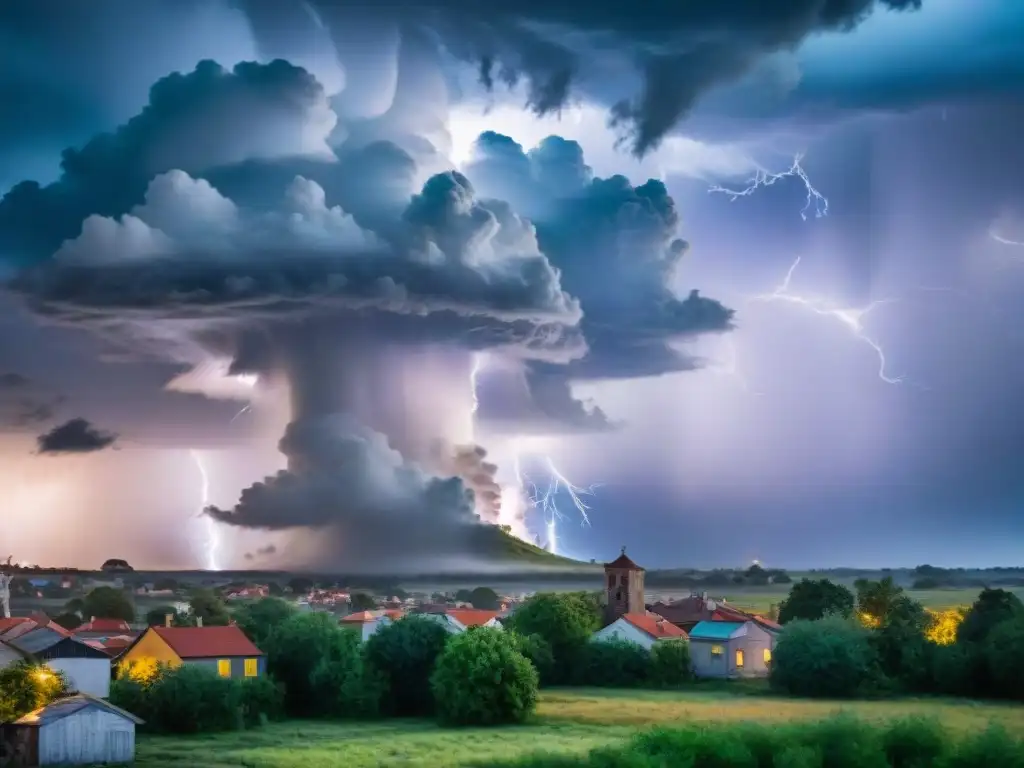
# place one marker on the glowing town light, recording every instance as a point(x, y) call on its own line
point(851, 318)
point(762, 178)
point(211, 545)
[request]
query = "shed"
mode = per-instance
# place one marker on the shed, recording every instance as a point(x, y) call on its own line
point(730, 649)
point(86, 668)
point(78, 730)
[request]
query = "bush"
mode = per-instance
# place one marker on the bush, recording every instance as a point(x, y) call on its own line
point(829, 658)
point(614, 663)
point(565, 621)
point(25, 687)
point(482, 678)
point(262, 701)
point(671, 665)
point(187, 699)
point(343, 684)
point(258, 619)
point(536, 649)
point(1003, 651)
point(295, 649)
point(403, 654)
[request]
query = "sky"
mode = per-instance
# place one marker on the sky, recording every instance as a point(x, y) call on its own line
point(302, 285)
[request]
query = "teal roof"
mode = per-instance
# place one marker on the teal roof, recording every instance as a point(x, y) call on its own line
point(714, 630)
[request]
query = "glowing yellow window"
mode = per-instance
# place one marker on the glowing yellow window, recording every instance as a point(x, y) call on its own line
point(224, 667)
point(250, 668)
point(767, 655)
point(717, 650)
point(739, 658)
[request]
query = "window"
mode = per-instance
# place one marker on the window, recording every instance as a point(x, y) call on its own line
point(716, 650)
point(224, 667)
point(251, 668)
point(767, 655)
point(739, 658)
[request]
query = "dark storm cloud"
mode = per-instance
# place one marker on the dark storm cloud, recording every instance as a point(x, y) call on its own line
point(618, 250)
point(75, 436)
point(344, 481)
point(265, 551)
point(652, 63)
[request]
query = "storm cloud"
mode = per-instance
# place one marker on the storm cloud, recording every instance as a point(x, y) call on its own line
point(75, 436)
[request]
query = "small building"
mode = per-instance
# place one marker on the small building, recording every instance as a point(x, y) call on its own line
point(78, 730)
point(731, 649)
point(224, 649)
point(87, 668)
point(101, 629)
point(624, 588)
point(458, 620)
point(366, 623)
point(643, 629)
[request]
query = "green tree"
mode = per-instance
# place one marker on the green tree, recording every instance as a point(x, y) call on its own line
point(360, 601)
point(26, 686)
point(75, 605)
point(68, 620)
point(343, 684)
point(828, 658)
point(107, 603)
point(294, 650)
point(671, 666)
point(258, 619)
point(876, 599)
point(537, 650)
point(157, 617)
point(614, 663)
point(464, 596)
point(566, 621)
point(485, 599)
point(205, 604)
point(992, 607)
point(812, 599)
point(903, 650)
point(756, 575)
point(404, 654)
point(1004, 656)
point(481, 678)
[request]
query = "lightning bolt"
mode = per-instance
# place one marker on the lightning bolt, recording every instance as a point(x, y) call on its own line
point(763, 178)
point(851, 318)
point(1004, 240)
point(212, 534)
point(474, 375)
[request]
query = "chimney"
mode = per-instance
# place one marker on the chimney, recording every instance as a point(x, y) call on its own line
point(168, 618)
point(199, 621)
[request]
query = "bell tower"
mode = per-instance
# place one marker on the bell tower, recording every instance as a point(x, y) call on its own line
point(624, 588)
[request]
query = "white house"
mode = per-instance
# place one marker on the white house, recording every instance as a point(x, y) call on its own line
point(458, 620)
point(86, 667)
point(366, 623)
point(79, 730)
point(731, 649)
point(643, 629)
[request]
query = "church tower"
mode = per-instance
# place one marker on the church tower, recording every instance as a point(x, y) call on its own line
point(624, 588)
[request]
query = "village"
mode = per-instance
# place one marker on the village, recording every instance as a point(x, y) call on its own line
point(724, 641)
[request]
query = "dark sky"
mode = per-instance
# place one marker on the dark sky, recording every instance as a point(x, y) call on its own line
point(773, 432)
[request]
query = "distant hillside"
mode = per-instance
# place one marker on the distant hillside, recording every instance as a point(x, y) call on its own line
point(495, 543)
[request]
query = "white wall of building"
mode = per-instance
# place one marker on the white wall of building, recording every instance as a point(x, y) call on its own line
point(89, 737)
point(90, 676)
point(620, 629)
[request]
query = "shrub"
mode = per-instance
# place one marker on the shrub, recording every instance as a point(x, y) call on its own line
point(1002, 653)
point(25, 687)
point(829, 658)
point(343, 684)
point(261, 700)
point(671, 665)
point(187, 699)
point(294, 650)
point(404, 654)
point(614, 663)
point(565, 621)
point(131, 694)
point(482, 678)
point(992, 747)
point(914, 743)
point(537, 650)
point(258, 619)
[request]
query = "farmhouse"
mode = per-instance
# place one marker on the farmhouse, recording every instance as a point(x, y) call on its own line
point(365, 622)
point(225, 649)
point(644, 629)
point(78, 730)
point(731, 649)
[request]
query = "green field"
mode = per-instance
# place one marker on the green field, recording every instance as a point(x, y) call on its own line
point(760, 599)
point(567, 721)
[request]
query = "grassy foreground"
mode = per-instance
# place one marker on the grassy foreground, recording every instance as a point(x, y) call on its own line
point(567, 721)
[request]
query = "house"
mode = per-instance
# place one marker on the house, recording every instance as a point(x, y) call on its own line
point(692, 610)
point(101, 629)
point(731, 649)
point(458, 620)
point(643, 629)
point(365, 622)
point(14, 628)
point(78, 730)
point(224, 649)
point(87, 668)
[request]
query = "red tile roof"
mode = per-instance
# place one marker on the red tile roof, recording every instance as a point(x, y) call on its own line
point(623, 563)
point(6, 624)
point(105, 625)
point(23, 625)
point(207, 642)
point(654, 625)
point(362, 617)
point(469, 617)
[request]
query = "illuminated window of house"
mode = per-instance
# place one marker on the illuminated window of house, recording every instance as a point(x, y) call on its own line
point(739, 658)
point(250, 668)
point(767, 655)
point(717, 650)
point(224, 667)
